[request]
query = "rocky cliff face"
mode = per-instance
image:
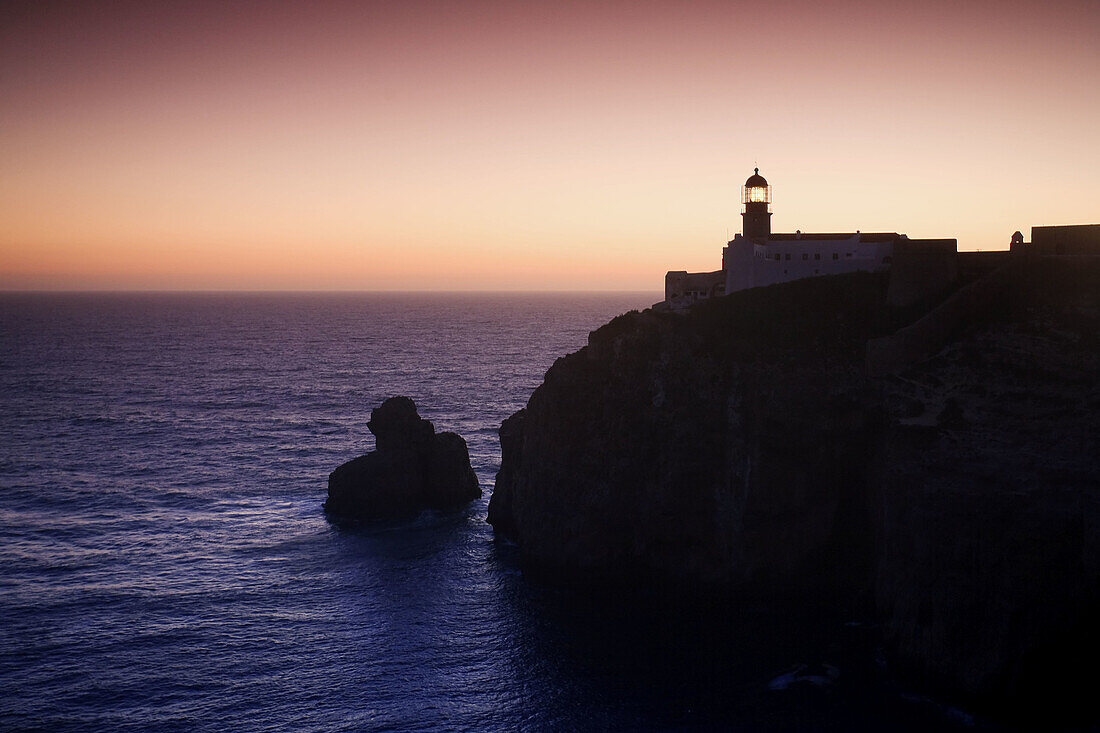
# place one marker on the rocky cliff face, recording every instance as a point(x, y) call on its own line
point(722, 447)
point(988, 497)
point(743, 445)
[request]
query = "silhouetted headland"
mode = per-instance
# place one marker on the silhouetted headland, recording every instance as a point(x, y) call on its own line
point(932, 465)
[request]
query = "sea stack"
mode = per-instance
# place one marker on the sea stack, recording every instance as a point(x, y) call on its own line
point(412, 469)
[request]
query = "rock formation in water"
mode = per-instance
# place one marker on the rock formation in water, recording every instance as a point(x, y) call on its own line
point(793, 440)
point(412, 469)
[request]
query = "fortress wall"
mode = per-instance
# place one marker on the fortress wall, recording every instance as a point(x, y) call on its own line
point(927, 336)
point(682, 288)
point(1082, 239)
point(973, 265)
point(921, 268)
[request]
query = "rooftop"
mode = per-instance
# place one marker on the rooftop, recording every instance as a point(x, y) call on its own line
point(819, 236)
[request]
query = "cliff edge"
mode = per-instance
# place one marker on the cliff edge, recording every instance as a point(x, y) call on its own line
point(793, 441)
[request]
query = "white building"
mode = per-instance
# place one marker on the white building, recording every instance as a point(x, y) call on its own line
point(778, 258)
point(758, 257)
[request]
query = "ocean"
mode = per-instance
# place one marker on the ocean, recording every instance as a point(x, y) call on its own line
point(165, 563)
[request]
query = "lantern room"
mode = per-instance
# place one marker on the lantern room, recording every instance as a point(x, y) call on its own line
point(756, 189)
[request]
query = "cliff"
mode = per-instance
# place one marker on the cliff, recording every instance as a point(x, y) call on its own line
point(746, 446)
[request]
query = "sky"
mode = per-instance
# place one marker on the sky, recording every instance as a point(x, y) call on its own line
point(522, 145)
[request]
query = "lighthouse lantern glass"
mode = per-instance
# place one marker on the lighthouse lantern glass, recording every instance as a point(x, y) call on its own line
point(756, 194)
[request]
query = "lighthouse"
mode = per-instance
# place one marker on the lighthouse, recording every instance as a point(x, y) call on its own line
point(756, 196)
point(759, 257)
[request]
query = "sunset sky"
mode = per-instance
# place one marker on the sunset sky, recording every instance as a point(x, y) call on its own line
point(522, 145)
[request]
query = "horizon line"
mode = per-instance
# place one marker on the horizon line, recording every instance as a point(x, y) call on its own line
point(259, 291)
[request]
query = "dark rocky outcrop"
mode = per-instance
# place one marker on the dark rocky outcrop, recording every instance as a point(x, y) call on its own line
point(412, 469)
point(721, 447)
point(745, 446)
point(511, 446)
point(987, 496)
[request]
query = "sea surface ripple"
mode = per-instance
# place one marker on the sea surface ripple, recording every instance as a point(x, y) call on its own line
point(166, 564)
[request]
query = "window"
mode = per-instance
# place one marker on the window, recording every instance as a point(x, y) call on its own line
point(817, 256)
point(787, 256)
point(777, 256)
point(836, 256)
point(805, 256)
point(847, 254)
point(887, 260)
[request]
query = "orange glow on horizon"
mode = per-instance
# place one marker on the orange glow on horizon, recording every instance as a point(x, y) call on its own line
point(506, 146)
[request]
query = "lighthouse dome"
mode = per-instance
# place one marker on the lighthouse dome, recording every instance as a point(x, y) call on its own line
point(756, 180)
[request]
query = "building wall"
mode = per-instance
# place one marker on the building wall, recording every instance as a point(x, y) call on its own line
point(921, 269)
point(738, 264)
point(750, 265)
point(683, 288)
point(1081, 239)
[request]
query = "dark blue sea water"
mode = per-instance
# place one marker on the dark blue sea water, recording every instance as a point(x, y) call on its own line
point(165, 563)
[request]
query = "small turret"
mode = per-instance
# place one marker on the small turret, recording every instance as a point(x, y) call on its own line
point(756, 195)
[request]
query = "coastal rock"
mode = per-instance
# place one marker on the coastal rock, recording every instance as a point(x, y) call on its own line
point(397, 425)
point(720, 447)
point(511, 451)
point(944, 481)
point(987, 565)
point(412, 469)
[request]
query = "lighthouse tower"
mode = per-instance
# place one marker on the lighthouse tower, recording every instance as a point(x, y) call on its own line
point(756, 195)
